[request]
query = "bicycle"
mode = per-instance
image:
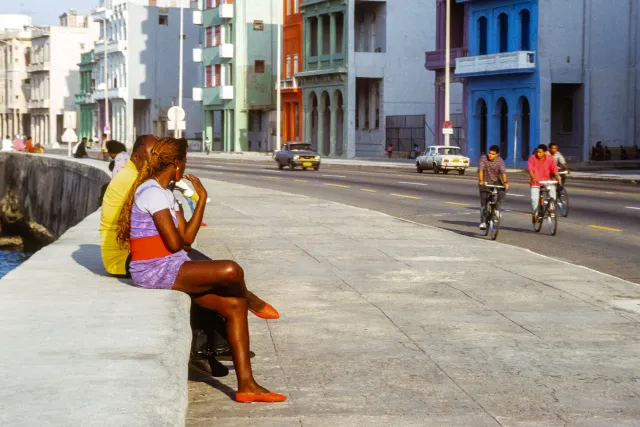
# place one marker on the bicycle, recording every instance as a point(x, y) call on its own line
point(546, 209)
point(563, 196)
point(490, 214)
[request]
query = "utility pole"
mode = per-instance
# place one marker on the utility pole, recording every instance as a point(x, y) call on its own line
point(447, 71)
point(177, 130)
point(106, 77)
point(279, 76)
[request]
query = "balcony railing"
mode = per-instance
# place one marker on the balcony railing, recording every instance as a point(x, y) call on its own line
point(41, 66)
point(197, 17)
point(196, 94)
point(497, 63)
point(81, 98)
point(217, 95)
point(114, 93)
point(197, 55)
point(112, 47)
point(287, 84)
point(38, 103)
point(226, 11)
point(222, 51)
point(435, 60)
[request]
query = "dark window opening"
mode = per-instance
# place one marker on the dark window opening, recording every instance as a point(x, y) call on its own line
point(567, 116)
point(163, 20)
point(339, 32)
point(525, 30)
point(482, 36)
point(503, 22)
point(259, 67)
point(313, 28)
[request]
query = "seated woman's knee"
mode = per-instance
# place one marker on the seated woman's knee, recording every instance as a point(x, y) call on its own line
point(232, 272)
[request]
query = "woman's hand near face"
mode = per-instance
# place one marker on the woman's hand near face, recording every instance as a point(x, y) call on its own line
point(197, 186)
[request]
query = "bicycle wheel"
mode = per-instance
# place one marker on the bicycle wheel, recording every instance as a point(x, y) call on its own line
point(487, 217)
point(494, 225)
point(552, 217)
point(563, 202)
point(537, 226)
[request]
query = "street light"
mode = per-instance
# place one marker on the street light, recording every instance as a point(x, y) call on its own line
point(280, 14)
point(177, 132)
point(107, 128)
point(447, 70)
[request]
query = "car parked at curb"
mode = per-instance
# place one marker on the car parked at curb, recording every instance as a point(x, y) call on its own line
point(297, 154)
point(442, 158)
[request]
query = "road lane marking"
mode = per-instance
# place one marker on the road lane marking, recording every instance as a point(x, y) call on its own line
point(412, 183)
point(368, 191)
point(457, 204)
point(338, 185)
point(632, 207)
point(599, 227)
point(406, 196)
point(300, 180)
point(335, 176)
point(515, 195)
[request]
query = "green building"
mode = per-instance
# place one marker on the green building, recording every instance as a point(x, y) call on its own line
point(238, 55)
point(86, 108)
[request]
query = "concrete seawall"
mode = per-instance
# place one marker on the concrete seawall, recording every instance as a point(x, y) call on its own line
point(80, 348)
point(55, 192)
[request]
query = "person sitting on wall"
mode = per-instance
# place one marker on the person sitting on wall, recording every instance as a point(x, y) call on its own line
point(119, 156)
point(80, 149)
point(153, 226)
point(116, 259)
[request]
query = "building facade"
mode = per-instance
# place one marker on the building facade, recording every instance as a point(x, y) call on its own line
point(54, 75)
point(15, 43)
point(87, 109)
point(238, 55)
point(362, 81)
point(435, 61)
point(541, 72)
point(292, 57)
point(142, 44)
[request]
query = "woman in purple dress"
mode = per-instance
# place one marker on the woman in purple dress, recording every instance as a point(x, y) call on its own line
point(152, 224)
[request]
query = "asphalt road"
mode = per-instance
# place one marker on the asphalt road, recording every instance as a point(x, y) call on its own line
point(602, 231)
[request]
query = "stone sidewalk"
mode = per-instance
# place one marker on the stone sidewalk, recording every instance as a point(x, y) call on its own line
point(389, 323)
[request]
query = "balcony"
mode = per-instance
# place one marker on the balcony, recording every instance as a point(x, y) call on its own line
point(222, 51)
point(82, 98)
point(226, 11)
point(38, 103)
point(114, 93)
point(217, 95)
point(100, 14)
point(288, 84)
point(497, 63)
point(196, 95)
point(42, 66)
point(197, 17)
point(434, 61)
point(112, 47)
point(370, 65)
point(197, 55)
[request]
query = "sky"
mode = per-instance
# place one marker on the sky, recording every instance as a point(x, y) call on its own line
point(46, 12)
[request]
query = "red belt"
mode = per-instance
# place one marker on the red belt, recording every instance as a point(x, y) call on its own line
point(145, 248)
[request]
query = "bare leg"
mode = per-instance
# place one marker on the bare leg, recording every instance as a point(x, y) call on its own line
point(234, 310)
point(226, 278)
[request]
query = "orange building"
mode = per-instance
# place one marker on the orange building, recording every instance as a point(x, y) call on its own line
point(291, 64)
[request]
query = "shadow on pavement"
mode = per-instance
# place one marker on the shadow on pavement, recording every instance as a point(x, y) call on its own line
point(89, 257)
point(478, 233)
point(196, 377)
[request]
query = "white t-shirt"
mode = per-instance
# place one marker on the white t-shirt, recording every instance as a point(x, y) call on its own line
point(155, 199)
point(119, 162)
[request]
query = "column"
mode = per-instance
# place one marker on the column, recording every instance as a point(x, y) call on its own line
point(320, 43)
point(321, 108)
point(333, 129)
point(306, 130)
point(373, 103)
point(292, 122)
point(332, 36)
point(306, 43)
point(362, 109)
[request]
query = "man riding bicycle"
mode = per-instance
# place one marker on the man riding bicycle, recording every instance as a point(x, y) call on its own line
point(492, 171)
point(561, 163)
point(542, 167)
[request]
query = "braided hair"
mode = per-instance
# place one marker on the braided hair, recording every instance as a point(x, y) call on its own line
point(165, 152)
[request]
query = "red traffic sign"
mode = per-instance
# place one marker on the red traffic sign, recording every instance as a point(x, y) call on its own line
point(447, 127)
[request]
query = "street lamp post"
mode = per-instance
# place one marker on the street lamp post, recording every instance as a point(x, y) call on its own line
point(280, 15)
point(177, 131)
point(107, 129)
point(447, 70)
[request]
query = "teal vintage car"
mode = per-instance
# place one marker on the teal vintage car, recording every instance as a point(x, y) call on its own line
point(297, 154)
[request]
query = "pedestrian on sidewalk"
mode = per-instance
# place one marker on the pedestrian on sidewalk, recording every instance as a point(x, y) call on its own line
point(389, 150)
point(152, 224)
point(80, 149)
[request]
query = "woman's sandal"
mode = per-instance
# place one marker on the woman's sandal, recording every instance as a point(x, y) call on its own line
point(266, 398)
point(268, 313)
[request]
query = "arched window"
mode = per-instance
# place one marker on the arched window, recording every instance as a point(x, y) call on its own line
point(482, 36)
point(503, 25)
point(525, 30)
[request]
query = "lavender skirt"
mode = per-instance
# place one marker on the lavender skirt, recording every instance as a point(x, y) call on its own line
point(159, 273)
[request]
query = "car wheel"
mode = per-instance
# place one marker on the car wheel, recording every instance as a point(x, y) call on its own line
point(291, 166)
point(315, 168)
point(418, 168)
point(461, 172)
point(436, 170)
point(445, 171)
point(280, 165)
point(304, 169)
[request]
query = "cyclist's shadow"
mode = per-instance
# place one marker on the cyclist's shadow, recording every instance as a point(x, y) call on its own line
point(479, 233)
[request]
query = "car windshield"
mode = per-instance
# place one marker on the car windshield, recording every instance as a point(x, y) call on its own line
point(449, 151)
point(300, 147)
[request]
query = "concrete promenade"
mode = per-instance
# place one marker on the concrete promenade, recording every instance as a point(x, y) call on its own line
point(389, 323)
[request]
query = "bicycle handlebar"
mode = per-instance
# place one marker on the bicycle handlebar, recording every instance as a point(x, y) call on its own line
point(493, 186)
point(547, 182)
point(563, 173)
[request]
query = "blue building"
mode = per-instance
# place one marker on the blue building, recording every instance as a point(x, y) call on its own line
point(551, 71)
point(502, 77)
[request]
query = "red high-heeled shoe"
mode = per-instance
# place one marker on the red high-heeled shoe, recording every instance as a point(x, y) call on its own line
point(268, 313)
point(265, 398)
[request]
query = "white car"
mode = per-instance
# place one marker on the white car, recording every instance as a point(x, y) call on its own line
point(441, 158)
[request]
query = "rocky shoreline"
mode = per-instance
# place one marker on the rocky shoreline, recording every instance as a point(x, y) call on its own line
point(17, 231)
